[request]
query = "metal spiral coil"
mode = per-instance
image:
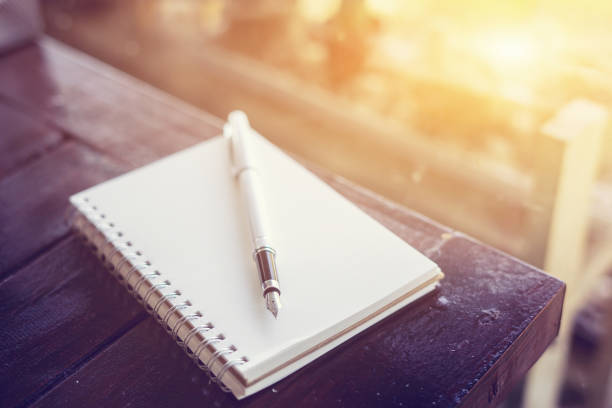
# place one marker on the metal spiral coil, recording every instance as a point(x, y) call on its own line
point(161, 301)
point(202, 346)
point(200, 329)
point(105, 238)
point(175, 308)
point(178, 325)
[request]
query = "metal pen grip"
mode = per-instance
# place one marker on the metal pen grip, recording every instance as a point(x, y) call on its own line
point(265, 258)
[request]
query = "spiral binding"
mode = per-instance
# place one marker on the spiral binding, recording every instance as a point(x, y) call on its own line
point(92, 222)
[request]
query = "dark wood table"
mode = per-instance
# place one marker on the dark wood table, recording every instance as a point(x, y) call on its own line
point(72, 336)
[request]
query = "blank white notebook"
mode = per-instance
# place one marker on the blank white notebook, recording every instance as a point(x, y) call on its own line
point(176, 234)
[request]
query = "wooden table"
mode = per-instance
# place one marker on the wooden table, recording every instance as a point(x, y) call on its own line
point(72, 336)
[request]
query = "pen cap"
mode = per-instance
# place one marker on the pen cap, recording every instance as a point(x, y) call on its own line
point(227, 130)
point(246, 169)
point(238, 117)
point(241, 141)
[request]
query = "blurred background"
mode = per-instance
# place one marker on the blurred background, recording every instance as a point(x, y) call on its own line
point(489, 117)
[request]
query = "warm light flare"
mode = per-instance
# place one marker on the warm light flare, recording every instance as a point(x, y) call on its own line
point(318, 11)
point(383, 7)
point(507, 50)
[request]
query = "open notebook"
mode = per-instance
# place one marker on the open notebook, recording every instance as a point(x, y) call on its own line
point(175, 233)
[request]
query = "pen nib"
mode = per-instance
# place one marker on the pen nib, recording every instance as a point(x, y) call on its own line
point(273, 302)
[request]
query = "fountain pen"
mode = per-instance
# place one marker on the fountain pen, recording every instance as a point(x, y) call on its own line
point(246, 172)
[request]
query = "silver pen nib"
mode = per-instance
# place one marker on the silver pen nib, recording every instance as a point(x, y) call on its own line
point(273, 302)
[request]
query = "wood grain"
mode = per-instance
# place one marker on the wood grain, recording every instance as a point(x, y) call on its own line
point(54, 313)
point(23, 137)
point(34, 200)
point(105, 108)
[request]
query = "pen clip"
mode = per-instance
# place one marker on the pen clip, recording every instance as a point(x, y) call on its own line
point(227, 133)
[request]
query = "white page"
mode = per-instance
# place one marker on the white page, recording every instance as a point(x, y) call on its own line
point(336, 264)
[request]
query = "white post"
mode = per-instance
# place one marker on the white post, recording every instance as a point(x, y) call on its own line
point(576, 132)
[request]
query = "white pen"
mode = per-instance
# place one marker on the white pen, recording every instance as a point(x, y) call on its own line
point(248, 176)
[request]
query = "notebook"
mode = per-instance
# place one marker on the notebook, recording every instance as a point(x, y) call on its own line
point(175, 233)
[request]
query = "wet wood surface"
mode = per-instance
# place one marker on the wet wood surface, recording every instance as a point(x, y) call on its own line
point(72, 337)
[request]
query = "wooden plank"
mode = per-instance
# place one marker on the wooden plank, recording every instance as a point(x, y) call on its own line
point(35, 200)
point(103, 107)
point(139, 372)
point(54, 314)
point(23, 137)
point(465, 344)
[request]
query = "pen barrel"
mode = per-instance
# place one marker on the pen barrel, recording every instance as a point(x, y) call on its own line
point(254, 201)
point(246, 170)
point(265, 258)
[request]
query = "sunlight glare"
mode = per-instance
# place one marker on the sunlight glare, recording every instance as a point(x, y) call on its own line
point(318, 11)
point(382, 7)
point(507, 49)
